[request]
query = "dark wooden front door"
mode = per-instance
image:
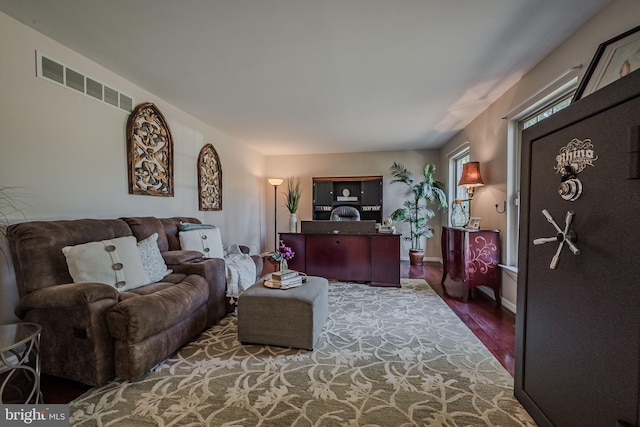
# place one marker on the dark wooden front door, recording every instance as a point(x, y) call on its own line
point(578, 338)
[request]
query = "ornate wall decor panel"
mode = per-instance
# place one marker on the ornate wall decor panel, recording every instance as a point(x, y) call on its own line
point(149, 152)
point(209, 179)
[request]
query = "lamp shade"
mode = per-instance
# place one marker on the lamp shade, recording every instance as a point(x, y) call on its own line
point(275, 181)
point(471, 175)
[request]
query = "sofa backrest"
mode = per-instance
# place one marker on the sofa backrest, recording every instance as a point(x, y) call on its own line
point(171, 229)
point(36, 248)
point(167, 229)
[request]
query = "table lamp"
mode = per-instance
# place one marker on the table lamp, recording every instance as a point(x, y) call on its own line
point(471, 179)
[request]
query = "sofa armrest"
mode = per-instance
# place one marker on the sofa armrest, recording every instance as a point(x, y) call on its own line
point(172, 258)
point(257, 259)
point(214, 271)
point(75, 341)
point(65, 296)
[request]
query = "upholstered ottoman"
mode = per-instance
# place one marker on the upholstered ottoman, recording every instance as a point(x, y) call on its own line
point(285, 318)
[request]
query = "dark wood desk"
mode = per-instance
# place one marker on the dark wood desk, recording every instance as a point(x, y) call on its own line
point(472, 256)
point(372, 258)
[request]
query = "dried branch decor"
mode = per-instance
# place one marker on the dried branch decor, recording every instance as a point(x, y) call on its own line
point(149, 152)
point(209, 179)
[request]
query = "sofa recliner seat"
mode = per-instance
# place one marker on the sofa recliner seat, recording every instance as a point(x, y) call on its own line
point(148, 328)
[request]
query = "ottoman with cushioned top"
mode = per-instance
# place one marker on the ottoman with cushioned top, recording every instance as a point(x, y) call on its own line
point(285, 318)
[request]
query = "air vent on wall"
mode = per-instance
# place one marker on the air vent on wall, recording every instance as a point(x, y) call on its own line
point(48, 69)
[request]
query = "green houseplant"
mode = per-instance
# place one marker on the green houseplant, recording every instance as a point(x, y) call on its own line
point(292, 194)
point(416, 211)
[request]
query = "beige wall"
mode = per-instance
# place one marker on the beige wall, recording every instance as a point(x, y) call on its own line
point(67, 152)
point(487, 134)
point(352, 164)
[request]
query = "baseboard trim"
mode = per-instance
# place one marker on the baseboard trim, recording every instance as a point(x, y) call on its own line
point(506, 304)
point(427, 259)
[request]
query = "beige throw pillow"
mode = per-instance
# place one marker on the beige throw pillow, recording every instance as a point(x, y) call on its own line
point(152, 260)
point(207, 241)
point(114, 262)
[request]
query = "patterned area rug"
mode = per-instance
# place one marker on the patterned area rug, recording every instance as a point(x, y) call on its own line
point(387, 357)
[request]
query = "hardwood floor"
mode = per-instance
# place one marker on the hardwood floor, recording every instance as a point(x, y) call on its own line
point(494, 326)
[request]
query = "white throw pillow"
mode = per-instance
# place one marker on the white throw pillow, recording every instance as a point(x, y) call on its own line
point(114, 262)
point(207, 241)
point(152, 260)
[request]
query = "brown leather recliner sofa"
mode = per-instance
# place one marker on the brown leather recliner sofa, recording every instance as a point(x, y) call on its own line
point(91, 332)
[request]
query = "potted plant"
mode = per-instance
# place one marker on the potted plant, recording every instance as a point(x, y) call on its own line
point(292, 201)
point(416, 211)
point(283, 254)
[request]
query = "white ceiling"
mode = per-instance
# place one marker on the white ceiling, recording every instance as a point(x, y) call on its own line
point(317, 76)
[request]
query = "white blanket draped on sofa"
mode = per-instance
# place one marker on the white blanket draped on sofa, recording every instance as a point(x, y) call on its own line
point(206, 238)
point(241, 271)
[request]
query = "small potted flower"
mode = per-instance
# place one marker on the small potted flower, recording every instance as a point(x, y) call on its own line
point(282, 255)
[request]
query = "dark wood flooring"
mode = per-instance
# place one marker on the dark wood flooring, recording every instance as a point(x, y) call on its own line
point(494, 326)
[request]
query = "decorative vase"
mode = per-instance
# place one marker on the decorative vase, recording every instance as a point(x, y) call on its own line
point(293, 223)
point(416, 256)
point(284, 265)
point(458, 215)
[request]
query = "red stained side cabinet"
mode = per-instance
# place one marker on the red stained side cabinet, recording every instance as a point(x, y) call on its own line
point(472, 257)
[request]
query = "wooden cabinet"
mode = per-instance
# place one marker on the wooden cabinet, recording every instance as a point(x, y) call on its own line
point(322, 194)
point(578, 324)
point(385, 260)
point(372, 258)
point(339, 257)
point(361, 192)
point(472, 257)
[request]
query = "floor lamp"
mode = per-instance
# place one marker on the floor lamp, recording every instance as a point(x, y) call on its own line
point(275, 182)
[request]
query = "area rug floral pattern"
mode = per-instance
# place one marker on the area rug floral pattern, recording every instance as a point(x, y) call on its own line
point(387, 357)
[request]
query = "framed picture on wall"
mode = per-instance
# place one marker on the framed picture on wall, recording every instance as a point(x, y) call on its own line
point(613, 60)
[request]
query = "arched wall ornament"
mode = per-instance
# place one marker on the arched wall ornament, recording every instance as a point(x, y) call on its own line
point(149, 152)
point(209, 179)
